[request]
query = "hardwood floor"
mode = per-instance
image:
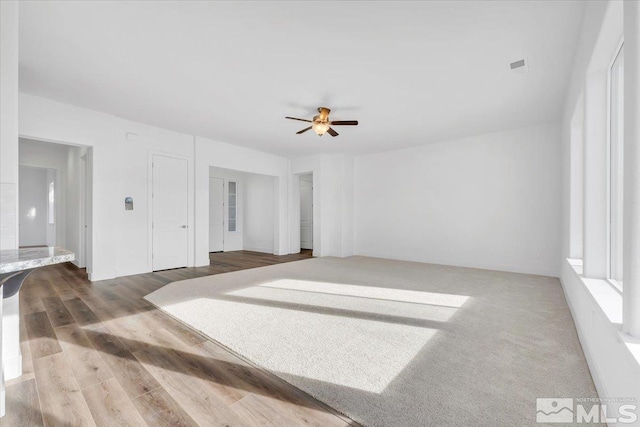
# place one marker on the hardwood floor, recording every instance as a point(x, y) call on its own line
point(96, 354)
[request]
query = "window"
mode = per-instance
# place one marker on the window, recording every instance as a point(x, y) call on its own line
point(616, 133)
point(51, 209)
point(233, 191)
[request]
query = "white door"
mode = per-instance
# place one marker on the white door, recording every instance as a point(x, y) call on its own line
point(33, 206)
point(216, 214)
point(306, 212)
point(170, 212)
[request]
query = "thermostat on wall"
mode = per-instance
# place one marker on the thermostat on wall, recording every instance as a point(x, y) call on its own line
point(128, 203)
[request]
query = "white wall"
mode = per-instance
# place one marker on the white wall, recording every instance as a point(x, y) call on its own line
point(121, 150)
point(136, 142)
point(341, 203)
point(9, 124)
point(489, 201)
point(258, 213)
point(33, 206)
point(332, 183)
point(333, 192)
point(347, 225)
point(9, 176)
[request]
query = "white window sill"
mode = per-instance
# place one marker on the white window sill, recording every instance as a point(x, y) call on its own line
point(609, 299)
point(633, 344)
point(604, 294)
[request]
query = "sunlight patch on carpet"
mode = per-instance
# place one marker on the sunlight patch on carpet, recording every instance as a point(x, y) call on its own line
point(313, 299)
point(359, 337)
point(400, 295)
point(357, 353)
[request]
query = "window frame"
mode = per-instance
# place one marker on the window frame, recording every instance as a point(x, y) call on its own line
point(51, 203)
point(234, 206)
point(613, 281)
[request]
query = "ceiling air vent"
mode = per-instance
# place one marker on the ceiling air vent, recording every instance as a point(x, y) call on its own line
point(520, 66)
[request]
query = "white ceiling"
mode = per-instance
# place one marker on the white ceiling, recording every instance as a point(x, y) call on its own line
point(410, 72)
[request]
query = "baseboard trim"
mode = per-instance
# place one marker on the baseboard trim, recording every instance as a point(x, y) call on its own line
point(261, 250)
point(457, 263)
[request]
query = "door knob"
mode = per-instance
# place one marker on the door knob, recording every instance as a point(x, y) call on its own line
point(183, 226)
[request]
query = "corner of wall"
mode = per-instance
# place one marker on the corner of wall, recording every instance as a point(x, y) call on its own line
point(9, 124)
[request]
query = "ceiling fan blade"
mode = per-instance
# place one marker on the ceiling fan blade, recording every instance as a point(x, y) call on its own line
point(332, 132)
point(302, 120)
point(303, 130)
point(345, 123)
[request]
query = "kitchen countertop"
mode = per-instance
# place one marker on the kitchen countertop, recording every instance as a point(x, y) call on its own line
point(12, 260)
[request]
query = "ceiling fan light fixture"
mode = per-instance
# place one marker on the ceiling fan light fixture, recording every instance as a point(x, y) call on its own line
point(320, 128)
point(321, 123)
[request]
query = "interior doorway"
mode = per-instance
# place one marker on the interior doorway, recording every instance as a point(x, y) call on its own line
point(242, 209)
point(65, 206)
point(306, 211)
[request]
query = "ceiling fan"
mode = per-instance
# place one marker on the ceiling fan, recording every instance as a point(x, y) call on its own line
point(321, 123)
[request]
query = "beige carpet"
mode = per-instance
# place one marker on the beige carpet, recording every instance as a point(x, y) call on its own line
point(391, 343)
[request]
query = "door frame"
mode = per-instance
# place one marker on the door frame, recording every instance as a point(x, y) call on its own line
point(86, 209)
point(88, 203)
point(302, 177)
point(294, 212)
point(224, 205)
point(190, 208)
point(83, 197)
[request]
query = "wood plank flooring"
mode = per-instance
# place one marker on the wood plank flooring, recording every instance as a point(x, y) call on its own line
point(96, 354)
